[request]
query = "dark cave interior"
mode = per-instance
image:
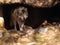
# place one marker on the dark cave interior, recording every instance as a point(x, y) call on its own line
point(35, 15)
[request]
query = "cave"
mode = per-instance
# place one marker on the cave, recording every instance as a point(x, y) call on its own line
point(36, 15)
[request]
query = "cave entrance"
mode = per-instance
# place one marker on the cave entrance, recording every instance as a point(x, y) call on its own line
point(35, 15)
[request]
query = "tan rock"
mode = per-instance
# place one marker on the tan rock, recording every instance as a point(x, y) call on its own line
point(34, 3)
point(16, 1)
point(41, 3)
point(1, 1)
point(4, 34)
point(23, 40)
point(1, 22)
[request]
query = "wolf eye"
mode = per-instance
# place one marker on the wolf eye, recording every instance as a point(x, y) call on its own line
point(23, 11)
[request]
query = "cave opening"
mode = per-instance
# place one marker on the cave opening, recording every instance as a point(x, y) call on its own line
point(35, 15)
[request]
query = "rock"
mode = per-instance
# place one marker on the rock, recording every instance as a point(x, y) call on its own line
point(17, 44)
point(34, 3)
point(16, 1)
point(1, 22)
point(10, 1)
point(23, 40)
point(31, 43)
point(43, 30)
point(4, 34)
point(1, 1)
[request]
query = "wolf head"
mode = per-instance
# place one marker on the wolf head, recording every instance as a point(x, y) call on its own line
point(21, 13)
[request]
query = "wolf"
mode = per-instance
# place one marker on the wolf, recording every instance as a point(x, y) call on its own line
point(19, 16)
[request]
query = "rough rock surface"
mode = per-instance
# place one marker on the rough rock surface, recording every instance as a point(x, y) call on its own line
point(50, 37)
point(34, 3)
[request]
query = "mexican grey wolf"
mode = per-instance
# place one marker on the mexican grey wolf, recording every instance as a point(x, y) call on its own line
point(19, 16)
